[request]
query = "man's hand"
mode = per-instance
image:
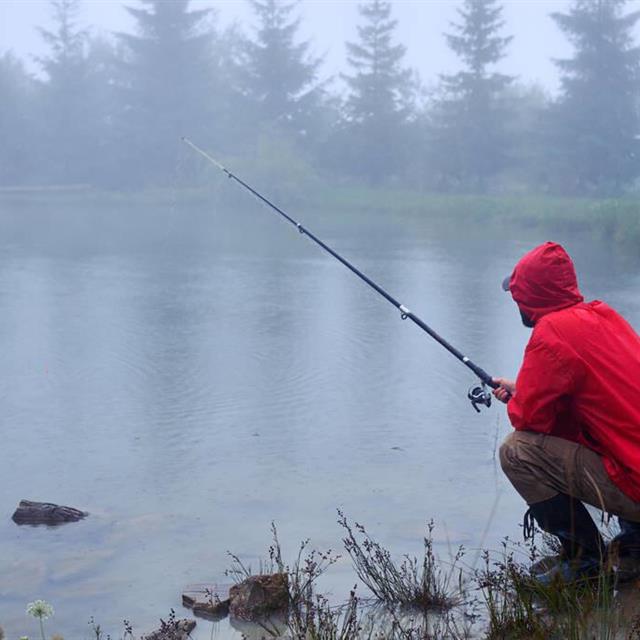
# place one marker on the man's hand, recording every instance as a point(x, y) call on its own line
point(505, 391)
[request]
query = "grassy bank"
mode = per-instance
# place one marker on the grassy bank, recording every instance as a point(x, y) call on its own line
point(614, 220)
point(614, 223)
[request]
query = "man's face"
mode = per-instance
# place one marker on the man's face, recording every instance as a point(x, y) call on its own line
point(526, 320)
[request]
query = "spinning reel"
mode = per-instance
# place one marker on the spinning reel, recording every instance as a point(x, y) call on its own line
point(479, 395)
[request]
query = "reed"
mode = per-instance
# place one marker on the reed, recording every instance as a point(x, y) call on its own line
point(422, 583)
point(427, 599)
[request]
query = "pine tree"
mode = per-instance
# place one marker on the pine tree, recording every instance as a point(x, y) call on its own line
point(380, 94)
point(66, 42)
point(596, 119)
point(470, 135)
point(104, 104)
point(69, 130)
point(18, 130)
point(168, 86)
point(281, 74)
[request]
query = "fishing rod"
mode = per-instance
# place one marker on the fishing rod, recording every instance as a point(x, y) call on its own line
point(479, 395)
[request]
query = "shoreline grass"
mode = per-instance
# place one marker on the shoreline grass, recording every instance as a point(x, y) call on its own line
point(615, 220)
point(417, 599)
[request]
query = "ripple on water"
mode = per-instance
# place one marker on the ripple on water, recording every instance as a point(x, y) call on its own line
point(188, 397)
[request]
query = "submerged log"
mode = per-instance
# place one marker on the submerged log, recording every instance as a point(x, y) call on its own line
point(29, 512)
point(259, 596)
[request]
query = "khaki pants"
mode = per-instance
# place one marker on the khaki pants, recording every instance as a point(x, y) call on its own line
point(541, 466)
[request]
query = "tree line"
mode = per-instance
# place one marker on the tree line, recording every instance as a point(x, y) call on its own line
point(109, 111)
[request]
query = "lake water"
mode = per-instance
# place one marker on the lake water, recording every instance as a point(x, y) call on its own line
point(189, 376)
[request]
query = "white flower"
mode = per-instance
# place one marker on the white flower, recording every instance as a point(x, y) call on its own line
point(40, 609)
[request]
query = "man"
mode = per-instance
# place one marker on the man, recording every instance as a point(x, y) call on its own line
point(575, 407)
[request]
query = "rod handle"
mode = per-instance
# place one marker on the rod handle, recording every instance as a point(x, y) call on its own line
point(482, 374)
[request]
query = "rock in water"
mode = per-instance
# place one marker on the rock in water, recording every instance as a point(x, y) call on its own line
point(259, 596)
point(172, 630)
point(207, 601)
point(29, 512)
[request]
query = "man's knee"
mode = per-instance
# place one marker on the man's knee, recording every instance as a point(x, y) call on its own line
point(508, 454)
point(534, 471)
point(517, 450)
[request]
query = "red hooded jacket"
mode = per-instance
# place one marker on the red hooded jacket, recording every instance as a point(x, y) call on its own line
point(580, 377)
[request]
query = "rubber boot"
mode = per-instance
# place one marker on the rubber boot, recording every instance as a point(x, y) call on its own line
point(624, 550)
point(628, 540)
point(582, 545)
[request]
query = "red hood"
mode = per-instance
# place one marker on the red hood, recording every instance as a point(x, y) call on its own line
point(544, 280)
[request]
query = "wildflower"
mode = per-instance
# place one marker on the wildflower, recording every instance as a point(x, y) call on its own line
point(40, 609)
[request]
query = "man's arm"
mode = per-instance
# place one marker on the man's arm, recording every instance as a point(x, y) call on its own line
point(544, 384)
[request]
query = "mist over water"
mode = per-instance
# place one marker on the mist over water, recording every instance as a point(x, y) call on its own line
point(189, 376)
point(188, 368)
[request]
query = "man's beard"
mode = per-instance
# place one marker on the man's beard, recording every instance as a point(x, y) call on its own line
point(526, 320)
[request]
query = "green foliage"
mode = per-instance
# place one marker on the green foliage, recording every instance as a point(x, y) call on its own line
point(595, 124)
point(279, 167)
point(281, 74)
point(66, 42)
point(167, 84)
point(110, 112)
point(527, 108)
point(17, 122)
point(469, 131)
point(381, 96)
point(69, 132)
point(379, 84)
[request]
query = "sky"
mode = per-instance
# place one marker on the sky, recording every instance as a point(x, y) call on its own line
point(328, 24)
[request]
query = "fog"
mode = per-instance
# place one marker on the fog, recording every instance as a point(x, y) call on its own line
point(187, 368)
point(329, 24)
point(478, 96)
